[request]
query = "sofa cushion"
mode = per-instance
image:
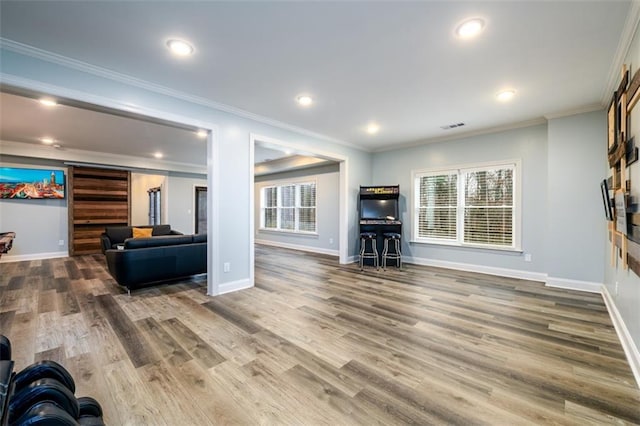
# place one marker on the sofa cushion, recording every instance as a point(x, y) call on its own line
point(141, 232)
point(168, 240)
point(161, 230)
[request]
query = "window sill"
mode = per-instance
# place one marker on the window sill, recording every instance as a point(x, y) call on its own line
point(515, 250)
point(288, 232)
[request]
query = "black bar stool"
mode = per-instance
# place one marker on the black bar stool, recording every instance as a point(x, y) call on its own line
point(394, 255)
point(364, 254)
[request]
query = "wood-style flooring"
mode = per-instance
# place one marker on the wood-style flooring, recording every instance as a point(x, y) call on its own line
point(320, 343)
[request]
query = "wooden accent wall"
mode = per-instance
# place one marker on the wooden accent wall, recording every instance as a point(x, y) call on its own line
point(97, 197)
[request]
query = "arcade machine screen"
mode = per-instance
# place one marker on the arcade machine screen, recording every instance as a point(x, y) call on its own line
point(379, 209)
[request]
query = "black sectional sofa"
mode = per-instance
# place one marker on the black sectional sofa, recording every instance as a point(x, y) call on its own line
point(114, 236)
point(143, 261)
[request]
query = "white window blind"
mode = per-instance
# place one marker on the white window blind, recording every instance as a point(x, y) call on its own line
point(269, 207)
point(438, 206)
point(307, 207)
point(473, 206)
point(289, 207)
point(488, 207)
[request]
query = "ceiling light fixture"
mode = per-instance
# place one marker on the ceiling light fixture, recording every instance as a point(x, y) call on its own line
point(158, 155)
point(130, 107)
point(57, 146)
point(48, 102)
point(202, 134)
point(180, 47)
point(305, 100)
point(470, 28)
point(373, 128)
point(505, 95)
point(47, 140)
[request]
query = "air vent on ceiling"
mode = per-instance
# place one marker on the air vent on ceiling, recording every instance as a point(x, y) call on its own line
point(452, 126)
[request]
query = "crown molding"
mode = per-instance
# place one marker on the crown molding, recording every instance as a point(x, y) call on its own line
point(574, 111)
point(471, 133)
point(77, 65)
point(624, 44)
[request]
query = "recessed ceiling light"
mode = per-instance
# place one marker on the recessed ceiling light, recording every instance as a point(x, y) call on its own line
point(505, 95)
point(57, 146)
point(202, 134)
point(48, 102)
point(47, 140)
point(470, 28)
point(304, 100)
point(180, 47)
point(158, 155)
point(373, 128)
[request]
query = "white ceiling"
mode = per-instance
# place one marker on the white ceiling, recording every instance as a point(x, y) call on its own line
point(397, 63)
point(24, 119)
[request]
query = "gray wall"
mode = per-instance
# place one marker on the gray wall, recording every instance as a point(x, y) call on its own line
point(39, 224)
point(327, 189)
point(527, 144)
point(575, 217)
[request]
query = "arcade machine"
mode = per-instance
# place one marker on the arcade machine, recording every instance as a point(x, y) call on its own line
point(380, 215)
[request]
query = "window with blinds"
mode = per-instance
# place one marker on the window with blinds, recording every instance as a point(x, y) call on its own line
point(488, 207)
point(289, 207)
point(307, 207)
point(438, 206)
point(473, 206)
point(270, 207)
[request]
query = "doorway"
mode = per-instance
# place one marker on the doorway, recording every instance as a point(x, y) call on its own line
point(152, 122)
point(200, 219)
point(155, 202)
point(292, 148)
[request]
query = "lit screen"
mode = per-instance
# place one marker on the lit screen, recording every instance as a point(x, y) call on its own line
point(378, 209)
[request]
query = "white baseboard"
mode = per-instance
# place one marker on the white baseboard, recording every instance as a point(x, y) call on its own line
point(6, 258)
point(352, 259)
point(490, 270)
point(630, 348)
point(299, 247)
point(588, 286)
point(234, 286)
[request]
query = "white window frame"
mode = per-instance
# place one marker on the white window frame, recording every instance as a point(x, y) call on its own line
point(279, 185)
point(461, 170)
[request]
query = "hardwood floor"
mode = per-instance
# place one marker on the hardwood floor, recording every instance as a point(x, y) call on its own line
point(319, 343)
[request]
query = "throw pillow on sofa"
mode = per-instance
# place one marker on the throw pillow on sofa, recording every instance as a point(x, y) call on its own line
point(142, 232)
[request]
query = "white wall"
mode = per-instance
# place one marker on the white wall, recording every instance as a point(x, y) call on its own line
point(39, 224)
point(181, 200)
point(526, 144)
point(327, 180)
point(140, 183)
